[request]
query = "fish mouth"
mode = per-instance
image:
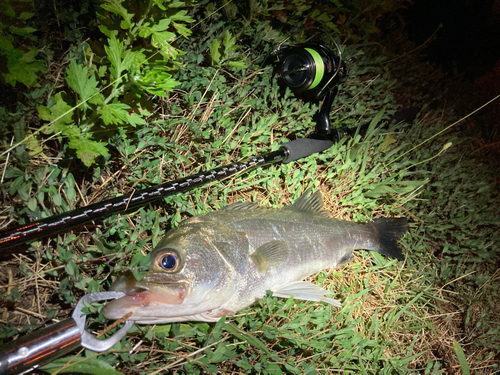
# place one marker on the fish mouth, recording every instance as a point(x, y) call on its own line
point(142, 296)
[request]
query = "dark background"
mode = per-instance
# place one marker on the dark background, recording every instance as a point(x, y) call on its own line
point(462, 37)
point(469, 39)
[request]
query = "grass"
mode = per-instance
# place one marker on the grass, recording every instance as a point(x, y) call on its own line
point(431, 314)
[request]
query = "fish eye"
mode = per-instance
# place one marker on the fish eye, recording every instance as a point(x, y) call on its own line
point(169, 261)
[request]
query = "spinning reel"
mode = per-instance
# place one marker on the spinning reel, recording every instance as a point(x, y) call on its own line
point(312, 71)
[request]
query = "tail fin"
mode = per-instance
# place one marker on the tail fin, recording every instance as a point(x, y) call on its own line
point(388, 231)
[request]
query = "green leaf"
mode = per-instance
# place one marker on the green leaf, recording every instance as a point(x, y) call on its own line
point(145, 31)
point(161, 40)
point(60, 113)
point(238, 64)
point(245, 336)
point(71, 268)
point(81, 365)
point(219, 352)
point(159, 4)
point(162, 330)
point(6, 43)
point(32, 203)
point(120, 59)
point(136, 259)
point(87, 150)
point(114, 52)
point(387, 141)
point(22, 30)
point(182, 29)
point(97, 98)
point(162, 25)
point(26, 15)
point(175, 4)
point(229, 42)
point(461, 358)
point(163, 87)
point(78, 79)
point(373, 124)
point(181, 16)
point(214, 51)
point(109, 33)
point(33, 145)
point(57, 199)
point(378, 191)
point(157, 81)
point(23, 67)
point(116, 7)
point(114, 113)
point(135, 119)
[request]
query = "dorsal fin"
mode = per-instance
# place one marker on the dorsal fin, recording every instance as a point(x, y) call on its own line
point(308, 202)
point(236, 206)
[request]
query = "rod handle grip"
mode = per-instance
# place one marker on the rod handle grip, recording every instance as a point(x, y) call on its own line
point(300, 148)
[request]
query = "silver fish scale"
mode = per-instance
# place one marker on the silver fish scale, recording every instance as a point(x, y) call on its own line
point(314, 241)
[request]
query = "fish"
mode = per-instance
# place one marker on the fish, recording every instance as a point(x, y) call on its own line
point(218, 263)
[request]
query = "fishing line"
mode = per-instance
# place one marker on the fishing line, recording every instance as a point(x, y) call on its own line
point(417, 48)
point(445, 129)
point(6, 163)
point(443, 149)
point(101, 90)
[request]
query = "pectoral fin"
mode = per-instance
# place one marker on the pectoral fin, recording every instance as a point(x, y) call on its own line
point(270, 255)
point(306, 291)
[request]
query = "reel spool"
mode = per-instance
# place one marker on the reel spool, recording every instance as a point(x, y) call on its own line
point(312, 71)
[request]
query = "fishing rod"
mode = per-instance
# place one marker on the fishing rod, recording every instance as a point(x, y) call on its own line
point(46, 344)
point(288, 152)
point(311, 70)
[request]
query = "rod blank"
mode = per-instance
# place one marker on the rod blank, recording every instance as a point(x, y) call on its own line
point(10, 238)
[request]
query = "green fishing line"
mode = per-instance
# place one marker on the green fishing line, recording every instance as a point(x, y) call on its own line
point(320, 67)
